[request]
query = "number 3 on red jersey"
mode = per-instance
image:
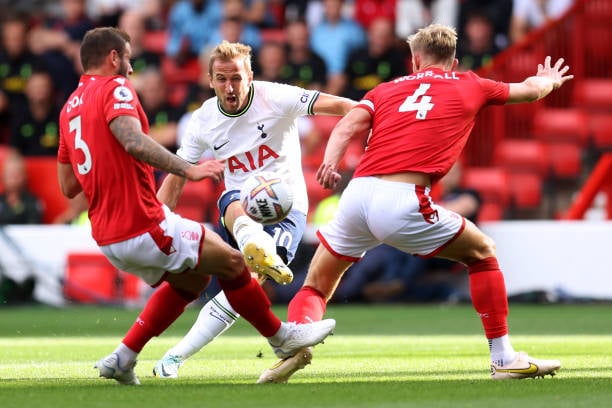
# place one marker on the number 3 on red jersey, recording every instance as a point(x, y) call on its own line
point(421, 107)
point(79, 143)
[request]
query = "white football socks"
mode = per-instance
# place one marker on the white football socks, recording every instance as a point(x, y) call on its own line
point(215, 317)
point(248, 230)
point(126, 355)
point(502, 352)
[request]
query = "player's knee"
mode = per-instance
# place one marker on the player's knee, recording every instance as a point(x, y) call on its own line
point(233, 266)
point(482, 249)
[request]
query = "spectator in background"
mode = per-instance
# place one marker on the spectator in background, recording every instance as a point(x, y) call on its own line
point(133, 23)
point(304, 67)
point(477, 47)
point(190, 24)
point(334, 39)
point(414, 14)
point(163, 117)
point(378, 61)
point(197, 92)
point(16, 66)
point(270, 61)
point(366, 11)
point(499, 11)
point(17, 204)
point(57, 41)
point(35, 125)
point(530, 14)
point(108, 12)
point(234, 27)
point(264, 13)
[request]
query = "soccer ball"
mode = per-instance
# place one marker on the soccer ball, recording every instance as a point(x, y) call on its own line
point(266, 198)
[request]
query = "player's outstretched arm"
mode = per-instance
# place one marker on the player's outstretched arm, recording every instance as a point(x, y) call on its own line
point(548, 78)
point(172, 186)
point(356, 123)
point(327, 104)
point(128, 131)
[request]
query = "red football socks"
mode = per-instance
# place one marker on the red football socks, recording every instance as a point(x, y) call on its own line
point(162, 309)
point(489, 296)
point(249, 300)
point(308, 305)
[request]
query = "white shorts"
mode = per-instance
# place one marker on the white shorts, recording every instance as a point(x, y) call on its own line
point(374, 211)
point(173, 247)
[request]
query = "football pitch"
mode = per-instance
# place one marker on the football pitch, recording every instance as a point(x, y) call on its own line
point(380, 356)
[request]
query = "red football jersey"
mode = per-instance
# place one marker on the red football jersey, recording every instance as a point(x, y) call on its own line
point(119, 188)
point(421, 122)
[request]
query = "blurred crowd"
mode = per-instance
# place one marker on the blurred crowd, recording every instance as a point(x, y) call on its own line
point(343, 47)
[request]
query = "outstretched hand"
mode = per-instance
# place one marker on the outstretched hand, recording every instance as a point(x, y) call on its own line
point(207, 169)
point(556, 72)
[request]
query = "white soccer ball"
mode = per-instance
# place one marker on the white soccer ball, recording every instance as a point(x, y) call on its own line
point(266, 198)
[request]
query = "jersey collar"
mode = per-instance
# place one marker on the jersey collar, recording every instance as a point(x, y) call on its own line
point(241, 112)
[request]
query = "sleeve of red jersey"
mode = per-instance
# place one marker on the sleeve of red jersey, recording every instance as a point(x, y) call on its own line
point(496, 93)
point(120, 99)
point(367, 102)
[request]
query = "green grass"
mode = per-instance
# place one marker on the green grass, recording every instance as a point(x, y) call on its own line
point(380, 356)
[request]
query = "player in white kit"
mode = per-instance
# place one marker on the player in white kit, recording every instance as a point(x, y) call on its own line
point(251, 127)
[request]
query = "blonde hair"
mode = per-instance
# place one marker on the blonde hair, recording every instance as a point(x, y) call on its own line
point(436, 41)
point(227, 51)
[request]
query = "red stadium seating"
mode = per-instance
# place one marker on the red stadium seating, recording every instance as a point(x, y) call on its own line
point(175, 74)
point(601, 131)
point(526, 190)
point(522, 156)
point(90, 278)
point(565, 160)
point(155, 41)
point(593, 95)
point(561, 125)
point(4, 152)
point(43, 182)
point(492, 183)
point(198, 201)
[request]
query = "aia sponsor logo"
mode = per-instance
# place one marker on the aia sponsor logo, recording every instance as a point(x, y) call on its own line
point(249, 161)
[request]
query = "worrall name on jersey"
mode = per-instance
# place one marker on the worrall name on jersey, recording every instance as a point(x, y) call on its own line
point(428, 74)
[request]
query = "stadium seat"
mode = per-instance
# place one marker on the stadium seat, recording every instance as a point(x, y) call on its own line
point(490, 211)
point(600, 126)
point(561, 125)
point(277, 35)
point(175, 74)
point(492, 183)
point(155, 41)
point(522, 156)
point(198, 201)
point(565, 160)
point(43, 182)
point(90, 278)
point(593, 95)
point(526, 190)
point(4, 152)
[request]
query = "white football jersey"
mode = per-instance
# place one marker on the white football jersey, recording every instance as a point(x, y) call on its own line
point(261, 137)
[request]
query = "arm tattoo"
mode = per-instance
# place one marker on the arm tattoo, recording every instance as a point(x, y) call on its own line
point(128, 131)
